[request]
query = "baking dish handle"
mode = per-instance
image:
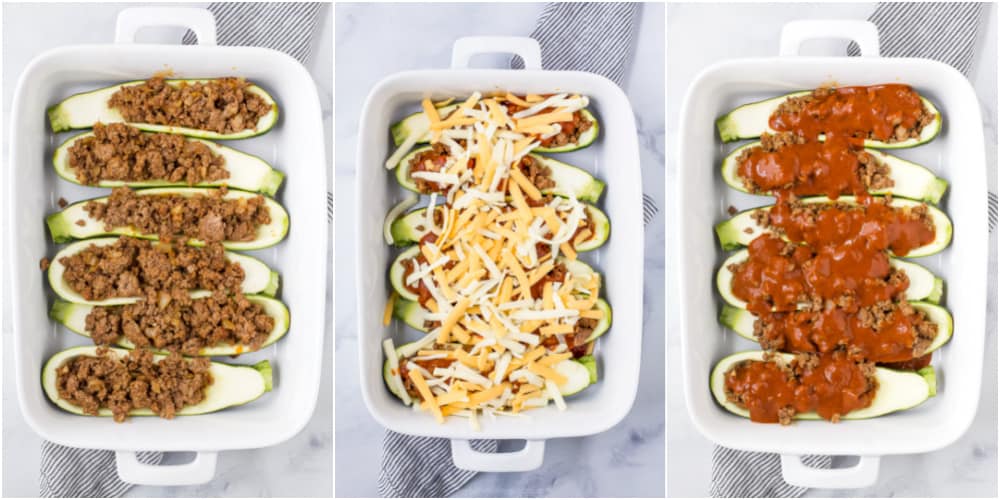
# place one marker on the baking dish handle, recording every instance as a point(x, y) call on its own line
point(469, 46)
point(864, 33)
point(198, 471)
point(861, 475)
point(131, 20)
point(528, 458)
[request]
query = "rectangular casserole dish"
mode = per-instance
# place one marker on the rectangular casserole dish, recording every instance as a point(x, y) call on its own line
point(614, 158)
point(294, 146)
point(957, 155)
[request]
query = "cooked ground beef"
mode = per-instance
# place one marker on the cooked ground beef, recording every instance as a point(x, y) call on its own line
point(120, 152)
point(539, 175)
point(806, 213)
point(133, 382)
point(208, 217)
point(44, 263)
point(183, 324)
point(139, 268)
point(570, 132)
point(222, 105)
point(62, 202)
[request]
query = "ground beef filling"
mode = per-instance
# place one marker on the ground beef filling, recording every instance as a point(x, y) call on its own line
point(788, 162)
point(120, 152)
point(888, 113)
point(183, 324)
point(435, 159)
point(139, 268)
point(207, 217)
point(133, 382)
point(569, 131)
point(888, 332)
point(222, 105)
point(774, 391)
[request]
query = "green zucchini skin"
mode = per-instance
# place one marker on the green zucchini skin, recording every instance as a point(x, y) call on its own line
point(417, 123)
point(233, 385)
point(247, 172)
point(73, 317)
point(911, 180)
point(898, 390)
point(85, 109)
point(750, 120)
point(406, 230)
point(741, 322)
point(569, 179)
point(732, 235)
point(63, 228)
point(924, 285)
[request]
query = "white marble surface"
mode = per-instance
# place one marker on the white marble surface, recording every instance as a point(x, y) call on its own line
point(299, 467)
point(375, 40)
point(966, 468)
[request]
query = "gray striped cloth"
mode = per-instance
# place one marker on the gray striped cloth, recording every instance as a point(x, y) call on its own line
point(288, 27)
point(946, 32)
point(414, 466)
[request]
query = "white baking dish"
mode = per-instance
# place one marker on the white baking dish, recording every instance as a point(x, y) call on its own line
point(613, 158)
point(294, 146)
point(957, 155)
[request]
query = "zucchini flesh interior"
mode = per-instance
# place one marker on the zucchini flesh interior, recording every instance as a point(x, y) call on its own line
point(232, 385)
point(85, 109)
point(246, 172)
point(74, 317)
point(897, 391)
point(64, 226)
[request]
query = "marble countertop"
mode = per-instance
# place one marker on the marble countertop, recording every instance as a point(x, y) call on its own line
point(966, 468)
point(373, 41)
point(299, 467)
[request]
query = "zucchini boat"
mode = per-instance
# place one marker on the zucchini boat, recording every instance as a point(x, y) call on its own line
point(63, 225)
point(897, 390)
point(257, 277)
point(414, 315)
point(410, 228)
point(246, 172)
point(910, 180)
point(741, 229)
point(85, 109)
point(741, 321)
point(569, 180)
point(232, 385)
point(397, 270)
point(580, 373)
point(416, 128)
point(74, 317)
point(923, 284)
point(751, 120)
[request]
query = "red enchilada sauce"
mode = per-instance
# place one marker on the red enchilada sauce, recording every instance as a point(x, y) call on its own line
point(829, 384)
point(889, 113)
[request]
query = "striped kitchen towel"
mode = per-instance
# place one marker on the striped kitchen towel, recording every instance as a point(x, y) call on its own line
point(946, 32)
point(419, 466)
point(288, 27)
